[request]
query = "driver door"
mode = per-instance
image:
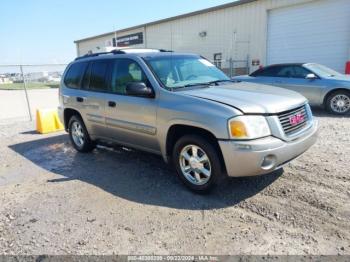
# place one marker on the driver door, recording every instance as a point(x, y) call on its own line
point(131, 120)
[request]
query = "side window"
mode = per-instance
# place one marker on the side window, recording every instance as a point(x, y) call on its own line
point(301, 72)
point(267, 72)
point(86, 79)
point(286, 71)
point(98, 76)
point(125, 71)
point(74, 75)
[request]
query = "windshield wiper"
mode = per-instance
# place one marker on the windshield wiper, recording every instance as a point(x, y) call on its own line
point(217, 82)
point(207, 84)
point(197, 84)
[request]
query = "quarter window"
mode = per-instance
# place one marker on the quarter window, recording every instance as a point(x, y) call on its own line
point(74, 75)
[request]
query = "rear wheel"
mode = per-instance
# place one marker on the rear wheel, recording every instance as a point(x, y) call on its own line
point(338, 103)
point(197, 163)
point(79, 136)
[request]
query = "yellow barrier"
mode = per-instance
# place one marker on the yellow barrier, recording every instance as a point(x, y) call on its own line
point(47, 121)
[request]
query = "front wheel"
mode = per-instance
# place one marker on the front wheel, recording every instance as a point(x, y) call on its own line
point(338, 103)
point(197, 163)
point(79, 136)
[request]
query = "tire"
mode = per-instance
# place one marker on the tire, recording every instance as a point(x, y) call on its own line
point(81, 141)
point(203, 183)
point(338, 103)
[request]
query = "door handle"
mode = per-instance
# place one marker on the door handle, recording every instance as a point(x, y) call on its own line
point(112, 104)
point(80, 99)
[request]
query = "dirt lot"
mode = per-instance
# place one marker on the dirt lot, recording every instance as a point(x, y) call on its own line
point(56, 201)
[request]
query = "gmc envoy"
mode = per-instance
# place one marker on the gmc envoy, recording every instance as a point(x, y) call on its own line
point(183, 108)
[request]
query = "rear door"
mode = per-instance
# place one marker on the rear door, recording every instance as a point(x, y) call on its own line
point(71, 96)
point(131, 120)
point(93, 101)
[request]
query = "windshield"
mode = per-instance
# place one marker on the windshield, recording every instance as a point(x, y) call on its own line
point(180, 71)
point(322, 70)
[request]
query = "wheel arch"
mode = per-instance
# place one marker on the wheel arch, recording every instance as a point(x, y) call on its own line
point(176, 131)
point(67, 114)
point(330, 92)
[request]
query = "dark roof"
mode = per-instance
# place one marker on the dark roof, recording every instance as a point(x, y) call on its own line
point(285, 64)
point(215, 8)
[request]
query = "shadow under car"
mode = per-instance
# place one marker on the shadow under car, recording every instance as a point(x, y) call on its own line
point(134, 175)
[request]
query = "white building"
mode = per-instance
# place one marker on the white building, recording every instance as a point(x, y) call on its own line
point(246, 32)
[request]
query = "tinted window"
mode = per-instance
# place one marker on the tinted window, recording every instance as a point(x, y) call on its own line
point(286, 71)
point(74, 75)
point(98, 75)
point(86, 78)
point(268, 71)
point(300, 72)
point(125, 71)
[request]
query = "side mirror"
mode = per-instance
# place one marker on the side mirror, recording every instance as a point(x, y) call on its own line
point(311, 77)
point(139, 89)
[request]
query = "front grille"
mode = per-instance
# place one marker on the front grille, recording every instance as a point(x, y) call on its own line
point(289, 127)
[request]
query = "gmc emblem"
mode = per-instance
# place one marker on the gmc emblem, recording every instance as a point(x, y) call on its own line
point(296, 119)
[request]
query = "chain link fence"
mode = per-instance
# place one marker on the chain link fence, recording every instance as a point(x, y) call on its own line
point(25, 88)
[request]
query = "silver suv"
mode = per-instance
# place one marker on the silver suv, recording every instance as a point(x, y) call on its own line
point(183, 108)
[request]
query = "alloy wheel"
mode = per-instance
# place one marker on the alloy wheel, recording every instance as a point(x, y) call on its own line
point(78, 134)
point(195, 165)
point(340, 103)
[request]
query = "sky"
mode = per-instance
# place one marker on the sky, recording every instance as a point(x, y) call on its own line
point(43, 31)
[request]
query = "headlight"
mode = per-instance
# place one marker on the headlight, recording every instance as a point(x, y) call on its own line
point(248, 127)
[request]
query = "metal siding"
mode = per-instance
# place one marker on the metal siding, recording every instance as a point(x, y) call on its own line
point(249, 21)
point(308, 33)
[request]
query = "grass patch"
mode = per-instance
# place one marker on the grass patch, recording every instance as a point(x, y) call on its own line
point(30, 85)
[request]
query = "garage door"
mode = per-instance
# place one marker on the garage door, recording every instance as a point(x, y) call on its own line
point(318, 31)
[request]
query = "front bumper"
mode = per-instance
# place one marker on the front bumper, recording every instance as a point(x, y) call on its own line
point(262, 156)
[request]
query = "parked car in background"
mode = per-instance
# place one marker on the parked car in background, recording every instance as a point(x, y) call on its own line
point(182, 107)
point(321, 85)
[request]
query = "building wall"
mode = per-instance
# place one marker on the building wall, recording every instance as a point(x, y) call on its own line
point(95, 45)
point(236, 32)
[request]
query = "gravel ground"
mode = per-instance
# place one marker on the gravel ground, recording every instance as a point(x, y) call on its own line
point(56, 201)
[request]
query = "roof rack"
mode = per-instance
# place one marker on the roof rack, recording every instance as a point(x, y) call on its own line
point(124, 51)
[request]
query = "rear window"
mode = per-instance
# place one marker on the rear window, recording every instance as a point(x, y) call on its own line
point(74, 75)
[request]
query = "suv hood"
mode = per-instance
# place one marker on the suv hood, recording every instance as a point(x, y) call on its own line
point(251, 98)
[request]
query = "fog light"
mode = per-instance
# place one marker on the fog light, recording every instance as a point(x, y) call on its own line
point(269, 162)
point(243, 147)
